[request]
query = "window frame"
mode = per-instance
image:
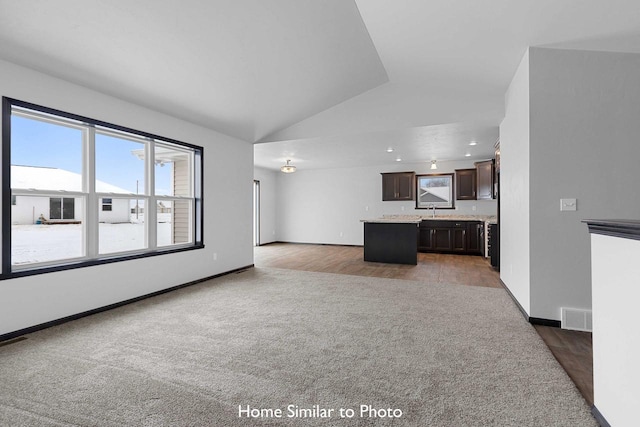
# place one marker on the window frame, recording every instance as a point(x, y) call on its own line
point(450, 177)
point(91, 212)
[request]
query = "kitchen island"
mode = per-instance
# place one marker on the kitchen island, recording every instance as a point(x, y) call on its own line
point(393, 241)
point(397, 239)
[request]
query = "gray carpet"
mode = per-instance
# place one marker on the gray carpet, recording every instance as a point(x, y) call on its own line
point(268, 338)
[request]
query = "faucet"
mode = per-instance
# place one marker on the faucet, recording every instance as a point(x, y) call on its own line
point(432, 206)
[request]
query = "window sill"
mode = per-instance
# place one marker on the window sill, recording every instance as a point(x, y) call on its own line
point(98, 261)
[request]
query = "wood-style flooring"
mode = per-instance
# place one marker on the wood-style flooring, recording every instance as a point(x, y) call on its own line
point(431, 268)
point(574, 352)
point(572, 349)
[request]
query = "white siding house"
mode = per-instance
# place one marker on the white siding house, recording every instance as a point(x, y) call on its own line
point(28, 209)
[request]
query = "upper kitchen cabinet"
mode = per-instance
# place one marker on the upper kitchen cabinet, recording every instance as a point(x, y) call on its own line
point(485, 190)
point(398, 186)
point(465, 184)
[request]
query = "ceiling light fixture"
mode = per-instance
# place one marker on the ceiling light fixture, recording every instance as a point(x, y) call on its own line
point(433, 164)
point(467, 155)
point(288, 168)
point(473, 143)
point(389, 150)
point(398, 159)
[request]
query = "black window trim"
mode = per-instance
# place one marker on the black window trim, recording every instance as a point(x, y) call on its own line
point(5, 260)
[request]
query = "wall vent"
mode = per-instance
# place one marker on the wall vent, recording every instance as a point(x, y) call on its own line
point(576, 319)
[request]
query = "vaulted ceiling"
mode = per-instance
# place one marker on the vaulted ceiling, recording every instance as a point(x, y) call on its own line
point(327, 83)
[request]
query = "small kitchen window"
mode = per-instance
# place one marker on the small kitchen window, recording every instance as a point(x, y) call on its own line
point(434, 191)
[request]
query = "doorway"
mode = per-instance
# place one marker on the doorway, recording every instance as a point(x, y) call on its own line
point(256, 213)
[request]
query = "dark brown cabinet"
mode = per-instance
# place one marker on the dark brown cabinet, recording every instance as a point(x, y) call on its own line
point(476, 184)
point(475, 237)
point(426, 241)
point(496, 170)
point(451, 236)
point(398, 186)
point(484, 176)
point(434, 238)
point(393, 243)
point(494, 245)
point(458, 240)
point(466, 184)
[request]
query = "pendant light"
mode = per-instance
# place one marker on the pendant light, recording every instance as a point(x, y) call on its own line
point(288, 168)
point(433, 164)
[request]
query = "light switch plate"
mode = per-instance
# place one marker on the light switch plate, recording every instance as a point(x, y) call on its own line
point(568, 204)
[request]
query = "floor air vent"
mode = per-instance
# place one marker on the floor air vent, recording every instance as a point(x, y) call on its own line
point(576, 319)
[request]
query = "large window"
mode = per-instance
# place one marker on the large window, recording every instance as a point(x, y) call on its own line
point(78, 191)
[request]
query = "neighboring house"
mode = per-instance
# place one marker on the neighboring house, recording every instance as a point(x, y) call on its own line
point(434, 194)
point(178, 214)
point(27, 209)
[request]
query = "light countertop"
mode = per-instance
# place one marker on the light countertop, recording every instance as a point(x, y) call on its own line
point(393, 220)
point(415, 219)
point(485, 218)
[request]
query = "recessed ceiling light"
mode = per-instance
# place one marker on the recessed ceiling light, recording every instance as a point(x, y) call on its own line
point(467, 155)
point(389, 150)
point(473, 143)
point(398, 159)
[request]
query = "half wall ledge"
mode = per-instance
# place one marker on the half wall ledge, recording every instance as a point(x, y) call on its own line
point(623, 228)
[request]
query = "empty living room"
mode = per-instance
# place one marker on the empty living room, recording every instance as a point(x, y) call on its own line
point(319, 212)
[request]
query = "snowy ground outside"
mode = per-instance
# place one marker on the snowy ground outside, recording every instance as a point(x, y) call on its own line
point(42, 243)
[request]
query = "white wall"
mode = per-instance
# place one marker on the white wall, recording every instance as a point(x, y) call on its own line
point(36, 299)
point(583, 126)
point(120, 211)
point(616, 351)
point(268, 206)
point(28, 209)
point(514, 188)
point(326, 205)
